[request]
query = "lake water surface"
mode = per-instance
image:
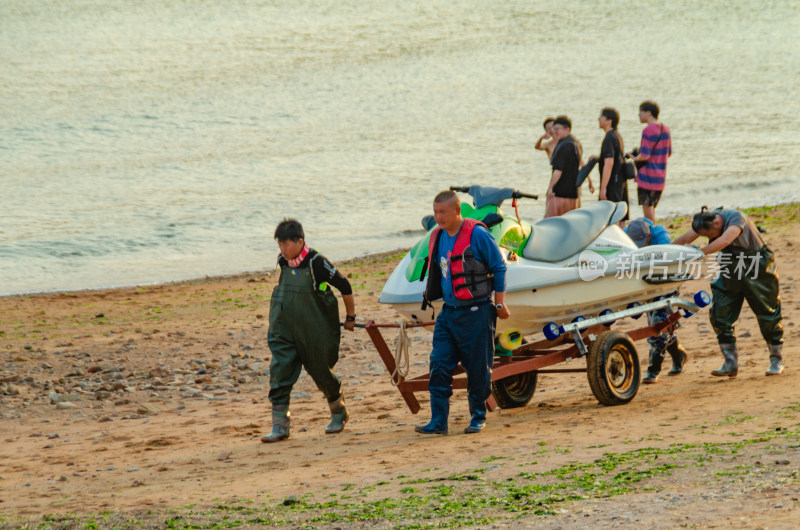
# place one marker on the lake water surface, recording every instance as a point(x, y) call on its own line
point(160, 140)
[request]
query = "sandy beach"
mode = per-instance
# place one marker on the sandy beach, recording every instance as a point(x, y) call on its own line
point(145, 405)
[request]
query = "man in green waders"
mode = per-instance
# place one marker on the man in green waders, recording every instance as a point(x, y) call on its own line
point(304, 328)
point(747, 272)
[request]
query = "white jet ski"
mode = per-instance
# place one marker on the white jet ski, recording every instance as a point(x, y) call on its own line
point(560, 269)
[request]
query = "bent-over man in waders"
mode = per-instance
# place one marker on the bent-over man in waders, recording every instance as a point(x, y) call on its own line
point(747, 272)
point(465, 266)
point(304, 328)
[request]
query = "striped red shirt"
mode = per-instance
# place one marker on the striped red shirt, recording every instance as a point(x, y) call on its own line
point(654, 174)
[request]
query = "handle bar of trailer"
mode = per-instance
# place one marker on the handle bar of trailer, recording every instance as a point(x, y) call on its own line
point(356, 325)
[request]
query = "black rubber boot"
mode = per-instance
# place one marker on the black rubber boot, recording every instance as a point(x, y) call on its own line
point(440, 410)
point(478, 420)
point(280, 424)
point(730, 368)
point(339, 416)
point(775, 359)
point(651, 376)
point(679, 357)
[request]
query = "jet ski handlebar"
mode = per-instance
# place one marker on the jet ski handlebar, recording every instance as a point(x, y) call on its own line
point(496, 193)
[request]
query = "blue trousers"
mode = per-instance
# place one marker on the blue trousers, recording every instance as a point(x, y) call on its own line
point(659, 343)
point(464, 335)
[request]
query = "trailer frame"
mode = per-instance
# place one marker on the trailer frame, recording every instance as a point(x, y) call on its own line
point(574, 342)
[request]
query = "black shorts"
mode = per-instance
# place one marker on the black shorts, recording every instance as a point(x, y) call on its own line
point(649, 197)
point(617, 191)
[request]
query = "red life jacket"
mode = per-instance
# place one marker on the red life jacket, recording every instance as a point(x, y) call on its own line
point(470, 278)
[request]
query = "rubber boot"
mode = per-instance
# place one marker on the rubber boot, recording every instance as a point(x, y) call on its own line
point(679, 357)
point(775, 360)
point(478, 421)
point(651, 376)
point(440, 410)
point(339, 416)
point(280, 424)
point(730, 367)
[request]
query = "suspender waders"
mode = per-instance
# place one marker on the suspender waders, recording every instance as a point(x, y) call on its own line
point(760, 290)
point(303, 331)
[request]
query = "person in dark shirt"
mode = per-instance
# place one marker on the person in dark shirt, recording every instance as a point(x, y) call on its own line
point(304, 328)
point(613, 185)
point(747, 272)
point(562, 194)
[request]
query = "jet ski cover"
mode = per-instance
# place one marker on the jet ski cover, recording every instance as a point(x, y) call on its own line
point(557, 238)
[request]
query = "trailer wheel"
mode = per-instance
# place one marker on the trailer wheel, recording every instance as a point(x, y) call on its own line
point(515, 391)
point(612, 367)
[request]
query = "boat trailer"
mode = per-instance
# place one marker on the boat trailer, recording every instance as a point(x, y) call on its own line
point(612, 364)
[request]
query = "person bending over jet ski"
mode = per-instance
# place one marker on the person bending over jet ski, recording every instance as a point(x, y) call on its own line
point(644, 232)
point(747, 272)
point(465, 266)
point(304, 328)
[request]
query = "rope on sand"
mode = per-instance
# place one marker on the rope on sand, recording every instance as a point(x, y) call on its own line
point(401, 359)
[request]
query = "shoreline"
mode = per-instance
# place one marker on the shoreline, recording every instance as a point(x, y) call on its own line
point(675, 223)
point(246, 275)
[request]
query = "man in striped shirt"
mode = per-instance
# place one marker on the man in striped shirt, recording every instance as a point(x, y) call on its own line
point(655, 149)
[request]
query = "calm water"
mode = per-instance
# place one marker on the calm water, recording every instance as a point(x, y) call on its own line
point(158, 140)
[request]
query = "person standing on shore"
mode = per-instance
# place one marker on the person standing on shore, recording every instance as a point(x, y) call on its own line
point(546, 142)
point(746, 272)
point(562, 193)
point(465, 266)
point(613, 185)
point(651, 159)
point(304, 328)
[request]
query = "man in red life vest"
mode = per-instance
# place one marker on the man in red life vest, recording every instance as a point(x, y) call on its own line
point(464, 268)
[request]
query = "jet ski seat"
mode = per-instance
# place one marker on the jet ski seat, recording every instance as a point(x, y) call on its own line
point(428, 222)
point(557, 238)
point(489, 220)
point(492, 219)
